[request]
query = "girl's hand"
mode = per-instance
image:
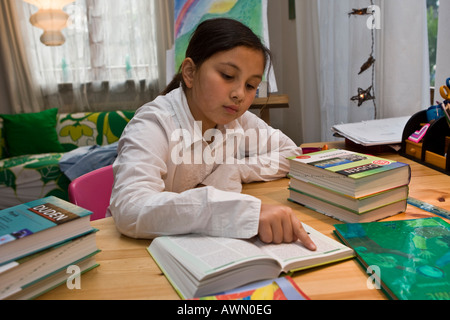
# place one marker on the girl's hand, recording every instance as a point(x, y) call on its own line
point(278, 224)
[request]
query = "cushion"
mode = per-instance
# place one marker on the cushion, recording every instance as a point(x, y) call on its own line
point(31, 133)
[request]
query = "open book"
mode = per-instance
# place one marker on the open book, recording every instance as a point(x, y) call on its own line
point(198, 266)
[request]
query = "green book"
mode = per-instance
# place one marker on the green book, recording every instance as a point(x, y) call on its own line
point(38, 225)
point(407, 259)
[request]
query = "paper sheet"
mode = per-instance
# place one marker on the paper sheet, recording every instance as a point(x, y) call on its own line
point(374, 132)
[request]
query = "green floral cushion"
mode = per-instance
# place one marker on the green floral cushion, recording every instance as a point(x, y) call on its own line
point(30, 177)
point(87, 129)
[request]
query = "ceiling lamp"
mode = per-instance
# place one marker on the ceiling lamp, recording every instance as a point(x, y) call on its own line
point(50, 18)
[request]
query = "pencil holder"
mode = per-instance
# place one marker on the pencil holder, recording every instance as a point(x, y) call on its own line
point(432, 150)
point(434, 113)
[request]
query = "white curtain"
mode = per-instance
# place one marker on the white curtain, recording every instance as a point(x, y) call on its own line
point(403, 72)
point(112, 58)
point(18, 91)
point(443, 48)
point(309, 69)
point(333, 46)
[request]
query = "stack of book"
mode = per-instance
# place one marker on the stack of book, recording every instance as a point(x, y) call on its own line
point(43, 244)
point(349, 186)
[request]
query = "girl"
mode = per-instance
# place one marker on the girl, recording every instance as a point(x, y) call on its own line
point(183, 157)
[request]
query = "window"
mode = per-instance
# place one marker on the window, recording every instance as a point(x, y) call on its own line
point(432, 16)
point(110, 47)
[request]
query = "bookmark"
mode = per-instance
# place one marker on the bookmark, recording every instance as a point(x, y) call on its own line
point(418, 135)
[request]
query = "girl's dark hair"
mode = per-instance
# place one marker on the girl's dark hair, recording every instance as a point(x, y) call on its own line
point(217, 35)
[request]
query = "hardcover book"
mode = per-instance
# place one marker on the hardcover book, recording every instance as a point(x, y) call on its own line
point(199, 266)
point(18, 275)
point(282, 288)
point(40, 224)
point(356, 205)
point(344, 214)
point(53, 280)
point(353, 174)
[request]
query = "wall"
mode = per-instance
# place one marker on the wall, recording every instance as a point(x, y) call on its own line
point(283, 43)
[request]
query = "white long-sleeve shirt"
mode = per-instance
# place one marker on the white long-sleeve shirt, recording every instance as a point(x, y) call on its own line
point(162, 158)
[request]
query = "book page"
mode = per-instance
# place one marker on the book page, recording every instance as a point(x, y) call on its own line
point(211, 254)
point(290, 252)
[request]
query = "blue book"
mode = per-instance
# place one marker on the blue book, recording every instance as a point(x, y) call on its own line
point(40, 224)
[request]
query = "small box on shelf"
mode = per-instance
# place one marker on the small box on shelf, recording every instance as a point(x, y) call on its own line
point(432, 150)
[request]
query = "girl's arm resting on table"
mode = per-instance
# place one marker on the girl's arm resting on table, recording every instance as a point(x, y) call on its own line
point(268, 165)
point(207, 211)
point(264, 153)
point(143, 209)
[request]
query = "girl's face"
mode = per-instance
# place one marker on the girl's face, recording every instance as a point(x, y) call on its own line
point(223, 88)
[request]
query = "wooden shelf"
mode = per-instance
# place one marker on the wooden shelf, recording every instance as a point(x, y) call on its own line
point(272, 102)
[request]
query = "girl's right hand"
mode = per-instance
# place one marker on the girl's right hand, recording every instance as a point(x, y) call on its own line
point(278, 224)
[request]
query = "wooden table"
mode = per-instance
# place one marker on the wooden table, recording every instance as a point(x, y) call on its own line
point(127, 271)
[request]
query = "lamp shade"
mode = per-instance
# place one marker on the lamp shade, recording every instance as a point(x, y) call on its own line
point(50, 18)
point(49, 4)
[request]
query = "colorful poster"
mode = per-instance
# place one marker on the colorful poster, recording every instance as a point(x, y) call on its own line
point(190, 13)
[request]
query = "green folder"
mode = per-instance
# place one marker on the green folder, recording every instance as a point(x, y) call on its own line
point(408, 259)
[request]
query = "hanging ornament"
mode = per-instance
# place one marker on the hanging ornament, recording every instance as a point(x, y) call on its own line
point(366, 95)
point(360, 12)
point(363, 96)
point(367, 64)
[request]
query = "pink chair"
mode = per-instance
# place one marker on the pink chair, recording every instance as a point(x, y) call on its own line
point(92, 191)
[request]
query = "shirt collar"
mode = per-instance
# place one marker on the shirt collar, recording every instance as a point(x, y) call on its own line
point(191, 129)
